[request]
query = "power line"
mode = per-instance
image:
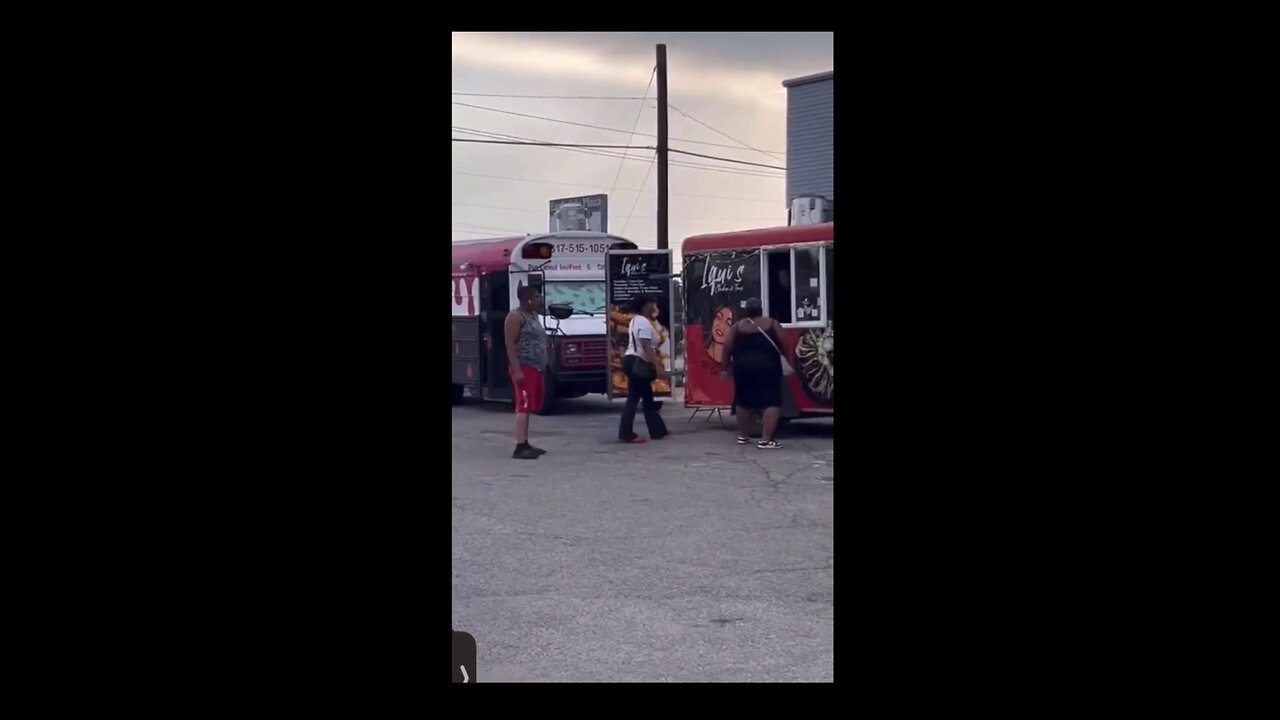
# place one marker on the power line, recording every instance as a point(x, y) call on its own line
point(633, 147)
point(544, 210)
point(555, 97)
point(498, 207)
point(634, 125)
point(762, 152)
point(587, 125)
point(486, 233)
point(571, 147)
point(472, 231)
point(677, 163)
point(635, 202)
point(540, 211)
point(551, 144)
point(505, 136)
point(732, 171)
point(713, 157)
point(773, 201)
point(483, 227)
point(481, 230)
point(532, 180)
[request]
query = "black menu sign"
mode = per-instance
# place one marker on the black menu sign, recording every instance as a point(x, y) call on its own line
point(629, 276)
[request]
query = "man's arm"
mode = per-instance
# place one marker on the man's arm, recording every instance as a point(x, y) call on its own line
point(512, 331)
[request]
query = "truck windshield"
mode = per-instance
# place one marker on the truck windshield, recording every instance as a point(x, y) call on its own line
point(584, 295)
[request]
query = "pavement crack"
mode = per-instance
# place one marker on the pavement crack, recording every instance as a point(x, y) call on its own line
point(768, 474)
point(821, 456)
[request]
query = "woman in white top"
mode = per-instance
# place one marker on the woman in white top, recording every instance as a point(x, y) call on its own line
point(641, 347)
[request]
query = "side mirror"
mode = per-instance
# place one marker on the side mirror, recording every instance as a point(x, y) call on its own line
point(560, 311)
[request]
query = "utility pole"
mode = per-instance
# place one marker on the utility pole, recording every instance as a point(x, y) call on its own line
point(662, 147)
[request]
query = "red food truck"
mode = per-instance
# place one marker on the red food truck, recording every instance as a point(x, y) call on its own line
point(569, 267)
point(791, 270)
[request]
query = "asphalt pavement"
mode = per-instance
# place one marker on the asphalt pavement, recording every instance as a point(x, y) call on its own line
point(687, 559)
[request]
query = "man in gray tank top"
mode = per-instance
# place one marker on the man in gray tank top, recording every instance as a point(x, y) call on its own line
point(526, 363)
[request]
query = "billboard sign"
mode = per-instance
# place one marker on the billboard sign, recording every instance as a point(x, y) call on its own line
point(586, 212)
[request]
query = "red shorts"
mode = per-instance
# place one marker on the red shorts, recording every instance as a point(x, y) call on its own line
point(529, 395)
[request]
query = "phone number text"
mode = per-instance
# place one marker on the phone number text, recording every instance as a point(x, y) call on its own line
point(581, 248)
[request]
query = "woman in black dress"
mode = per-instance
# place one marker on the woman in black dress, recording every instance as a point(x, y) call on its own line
point(756, 367)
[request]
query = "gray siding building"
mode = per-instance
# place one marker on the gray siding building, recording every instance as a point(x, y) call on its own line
point(811, 138)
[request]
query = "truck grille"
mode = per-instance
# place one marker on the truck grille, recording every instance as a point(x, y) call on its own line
point(594, 353)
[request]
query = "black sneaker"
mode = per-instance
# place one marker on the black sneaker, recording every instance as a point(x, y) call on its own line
point(538, 450)
point(768, 444)
point(744, 440)
point(525, 452)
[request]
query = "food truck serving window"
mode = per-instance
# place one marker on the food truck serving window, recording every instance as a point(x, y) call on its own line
point(797, 285)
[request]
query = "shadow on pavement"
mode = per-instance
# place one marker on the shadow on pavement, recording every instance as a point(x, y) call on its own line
point(677, 416)
point(590, 405)
point(818, 428)
point(586, 406)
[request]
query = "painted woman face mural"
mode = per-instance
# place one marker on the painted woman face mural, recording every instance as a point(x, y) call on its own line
point(720, 326)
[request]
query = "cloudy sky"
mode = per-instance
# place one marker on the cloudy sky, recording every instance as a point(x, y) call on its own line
point(727, 100)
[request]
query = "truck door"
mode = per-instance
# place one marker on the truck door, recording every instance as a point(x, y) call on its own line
point(495, 289)
point(467, 365)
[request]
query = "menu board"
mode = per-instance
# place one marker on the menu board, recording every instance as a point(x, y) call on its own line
point(630, 275)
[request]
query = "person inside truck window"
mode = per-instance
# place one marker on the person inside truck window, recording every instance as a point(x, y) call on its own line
point(808, 309)
point(780, 286)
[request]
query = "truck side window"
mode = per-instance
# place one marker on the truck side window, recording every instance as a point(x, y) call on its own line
point(831, 283)
point(807, 277)
point(780, 285)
